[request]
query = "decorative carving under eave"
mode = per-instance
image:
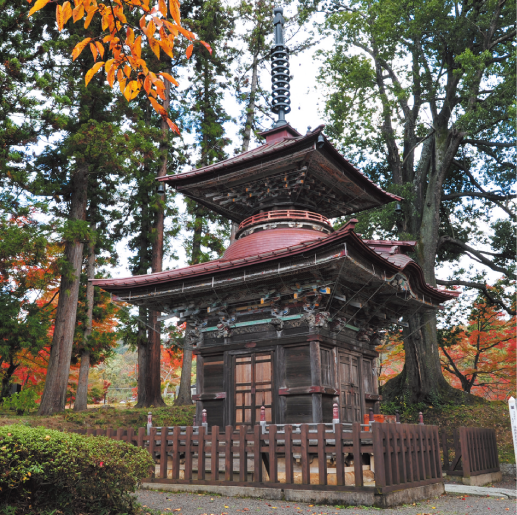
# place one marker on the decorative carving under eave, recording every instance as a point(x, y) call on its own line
point(276, 321)
point(194, 336)
point(316, 318)
point(224, 329)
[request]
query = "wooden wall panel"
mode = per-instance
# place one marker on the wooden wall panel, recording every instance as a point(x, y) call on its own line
point(327, 404)
point(298, 409)
point(214, 412)
point(213, 374)
point(297, 366)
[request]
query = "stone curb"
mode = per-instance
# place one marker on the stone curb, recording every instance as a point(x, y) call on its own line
point(478, 490)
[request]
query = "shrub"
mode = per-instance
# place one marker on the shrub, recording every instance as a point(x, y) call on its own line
point(22, 401)
point(42, 469)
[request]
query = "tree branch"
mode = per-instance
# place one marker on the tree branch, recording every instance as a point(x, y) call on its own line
point(483, 288)
point(481, 194)
point(468, 249)
point(477, 142)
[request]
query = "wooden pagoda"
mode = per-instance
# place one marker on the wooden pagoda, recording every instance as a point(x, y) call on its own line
point(290, 315)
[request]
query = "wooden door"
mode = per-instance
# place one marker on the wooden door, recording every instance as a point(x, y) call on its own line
point(350, 388)
point(253, 388)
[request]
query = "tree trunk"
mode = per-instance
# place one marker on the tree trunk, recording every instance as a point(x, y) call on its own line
point(150, 361)
point(141, 344)
point(185, 393)
point(81, 397)
point(250, 110)
point(54, 395)
point(6, 379)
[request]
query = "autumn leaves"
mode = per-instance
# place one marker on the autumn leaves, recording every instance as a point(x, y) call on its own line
point(124, 42)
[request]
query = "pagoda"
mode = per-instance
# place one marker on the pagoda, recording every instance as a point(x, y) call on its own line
point(290, 315)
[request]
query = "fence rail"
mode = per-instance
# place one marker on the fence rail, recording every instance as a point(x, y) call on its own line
point(469, 451)
point(315, 456)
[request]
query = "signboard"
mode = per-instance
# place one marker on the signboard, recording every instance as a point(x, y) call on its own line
point(513, 420)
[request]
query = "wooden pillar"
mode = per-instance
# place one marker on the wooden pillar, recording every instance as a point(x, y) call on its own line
point(317, 408)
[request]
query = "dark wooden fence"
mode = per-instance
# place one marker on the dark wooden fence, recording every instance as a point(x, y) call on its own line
point(315, 456)
point(469, 451)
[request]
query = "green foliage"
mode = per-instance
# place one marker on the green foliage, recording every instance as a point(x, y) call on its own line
point(47, 469)
point(22, 402)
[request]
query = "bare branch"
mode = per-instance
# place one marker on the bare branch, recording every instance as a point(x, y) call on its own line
point(508, 35)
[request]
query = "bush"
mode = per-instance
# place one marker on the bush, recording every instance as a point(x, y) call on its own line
point(42, 469)
point(22, 401)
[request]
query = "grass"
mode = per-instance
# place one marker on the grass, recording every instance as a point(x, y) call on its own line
point(104, 418)
point(494, 415)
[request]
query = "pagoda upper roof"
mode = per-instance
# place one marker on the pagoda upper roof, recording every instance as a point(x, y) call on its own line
point(267, 249)
point(291, 171)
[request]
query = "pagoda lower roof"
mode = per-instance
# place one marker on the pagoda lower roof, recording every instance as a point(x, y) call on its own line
point(389, 263)
point(303, 172)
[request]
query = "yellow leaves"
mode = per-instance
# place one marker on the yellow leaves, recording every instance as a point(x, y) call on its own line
point(170, 78)
point(37, 6)
point(155, 46)
point(137, 47)
point(95, 68)
point(100, 48)
point(162, 7)
point(174, 7)
point(91, 12)
point(79, 48)
point(123, 53)
point(130, 36)
point(186, 33)
point(78, 12)
point(94, 50)
point(132, 90)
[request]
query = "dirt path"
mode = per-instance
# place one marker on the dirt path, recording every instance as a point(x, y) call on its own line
point(201, 504)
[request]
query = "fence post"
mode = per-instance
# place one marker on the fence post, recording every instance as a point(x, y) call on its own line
point(263, 419)
point(204, 423)
point(335, 415)
point(445, 450)
point(465, 457)
point(421, 418)
point(149, 422)
point(358, 457)
point(378, 455)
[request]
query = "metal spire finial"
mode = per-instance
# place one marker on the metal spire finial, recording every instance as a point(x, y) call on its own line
point(281, 102)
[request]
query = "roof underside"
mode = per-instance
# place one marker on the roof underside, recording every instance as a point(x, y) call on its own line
point(293, 172)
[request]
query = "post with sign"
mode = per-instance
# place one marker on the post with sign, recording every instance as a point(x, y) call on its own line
point(513, 420)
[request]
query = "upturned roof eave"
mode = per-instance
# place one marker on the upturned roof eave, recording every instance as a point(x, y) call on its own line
point(216, 267)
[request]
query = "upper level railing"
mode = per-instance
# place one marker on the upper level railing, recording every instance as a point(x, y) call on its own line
point(282, 214)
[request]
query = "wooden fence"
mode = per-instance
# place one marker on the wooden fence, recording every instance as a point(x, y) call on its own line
point(469, 451)
point(316, 456)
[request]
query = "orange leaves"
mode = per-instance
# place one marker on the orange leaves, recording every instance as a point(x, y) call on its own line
point(172, 125)
point(207, 46)
point(170, 78)
point(79, 48)
point(125, 41)
point(132, 90)
point(37, 6)
point(95, 68)
point(63, 14)
point(174, 7)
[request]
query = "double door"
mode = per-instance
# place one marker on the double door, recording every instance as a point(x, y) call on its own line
point(350, 377)
point(253, 387)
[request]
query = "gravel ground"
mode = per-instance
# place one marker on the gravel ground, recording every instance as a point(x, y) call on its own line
point(202, 504)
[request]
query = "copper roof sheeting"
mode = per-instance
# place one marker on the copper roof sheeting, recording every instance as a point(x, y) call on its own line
point(393, 263)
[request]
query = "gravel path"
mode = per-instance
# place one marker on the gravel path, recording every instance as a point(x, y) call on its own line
point(201, 504)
